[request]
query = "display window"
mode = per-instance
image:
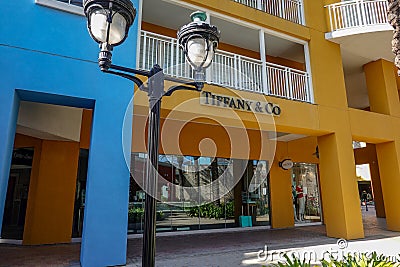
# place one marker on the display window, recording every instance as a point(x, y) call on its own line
point(306, 193)
point(201, 201)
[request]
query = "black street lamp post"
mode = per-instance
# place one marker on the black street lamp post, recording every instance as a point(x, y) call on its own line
point(108, 24)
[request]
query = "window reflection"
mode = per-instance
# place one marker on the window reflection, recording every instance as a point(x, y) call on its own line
point(255, 193)
point(177, 207)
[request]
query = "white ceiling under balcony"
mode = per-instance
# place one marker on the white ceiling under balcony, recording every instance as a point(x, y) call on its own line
point(170, 14)
point(237, 35)
point(370, 45)
point(173, 16)
point(163, 14)
point(279, 47)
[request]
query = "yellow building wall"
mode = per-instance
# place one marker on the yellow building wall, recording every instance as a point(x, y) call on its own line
point(315, 14)
point(382, 88)
point(389, 168)
point(330, 120)
point(282, 213)
point(298, 118)
point(201, 139)
point(51, 195)
point(327, 71)
point(370, 127)
point(318, 120)
point(384, 99)
point(51, 190)
point(303, 150)
point(340, 197)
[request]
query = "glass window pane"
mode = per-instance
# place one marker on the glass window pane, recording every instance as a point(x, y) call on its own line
point(186, 181)
point(212, 210)
point(183, 209)
point(136, 194)
point(305, 189)
point(255, 195)
point(260, 191)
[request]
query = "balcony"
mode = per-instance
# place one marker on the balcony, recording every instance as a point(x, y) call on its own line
point(228, 69)
point(291, 10)
point(361, 29)
point(358, 15)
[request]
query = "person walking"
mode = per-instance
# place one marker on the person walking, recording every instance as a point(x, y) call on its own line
point(364, 199)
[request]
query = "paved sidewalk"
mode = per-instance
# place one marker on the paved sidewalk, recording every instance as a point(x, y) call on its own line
point(237, 247)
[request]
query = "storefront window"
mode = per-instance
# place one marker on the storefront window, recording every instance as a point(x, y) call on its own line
point(255, 194)
point(192, 205)
point(192, 193)
point(305, 191)
point(17, 194)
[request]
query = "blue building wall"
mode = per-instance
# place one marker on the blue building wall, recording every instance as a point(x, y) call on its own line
point(47, 56)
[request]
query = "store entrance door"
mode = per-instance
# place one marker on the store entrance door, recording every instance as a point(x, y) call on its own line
point(256, 194)
point(17, 194)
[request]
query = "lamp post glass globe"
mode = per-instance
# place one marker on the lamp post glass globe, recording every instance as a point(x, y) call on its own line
point(102, 29)
point(109, 20)
point(197, 50)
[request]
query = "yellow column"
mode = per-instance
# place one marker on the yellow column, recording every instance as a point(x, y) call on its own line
point(389, 168)
point(339, 191)
point(51, 194)
point(281, 191)
point(382, 87)
point(384, 98)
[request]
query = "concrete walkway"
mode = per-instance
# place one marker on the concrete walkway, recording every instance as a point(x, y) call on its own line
point(236, 247)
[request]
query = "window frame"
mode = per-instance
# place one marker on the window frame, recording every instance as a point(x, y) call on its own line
point(77, 10)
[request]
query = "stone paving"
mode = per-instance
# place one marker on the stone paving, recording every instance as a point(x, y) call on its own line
point(236, 247)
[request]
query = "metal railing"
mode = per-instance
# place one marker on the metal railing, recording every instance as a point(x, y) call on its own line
point(165, 51)
point(236, 71)
point(291, 10)
point(228, 69)
point(357, 13)
point(288, 83)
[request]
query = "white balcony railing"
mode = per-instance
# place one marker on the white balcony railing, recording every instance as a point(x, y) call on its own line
point(357, 13)
point(228, 69)
point(291, 10)
point(236, 71)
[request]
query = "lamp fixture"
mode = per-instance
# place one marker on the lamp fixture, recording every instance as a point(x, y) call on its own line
point(108, 22)
point(199, 40)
